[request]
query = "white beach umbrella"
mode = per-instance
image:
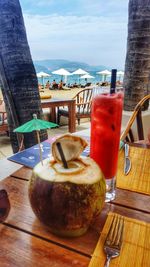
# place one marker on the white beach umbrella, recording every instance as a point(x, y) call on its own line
point(62, 72)
point(87, 76)
point(42, 75)
point(120, 74)
point(104, 73)
point(79, 72)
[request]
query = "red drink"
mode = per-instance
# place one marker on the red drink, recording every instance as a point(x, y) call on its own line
point(105, 131)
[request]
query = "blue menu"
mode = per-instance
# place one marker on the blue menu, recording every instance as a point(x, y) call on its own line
point(31, 156)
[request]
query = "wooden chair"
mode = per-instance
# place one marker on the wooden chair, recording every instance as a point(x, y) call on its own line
point(3, 117)
point(83, 106)
point(136, 116)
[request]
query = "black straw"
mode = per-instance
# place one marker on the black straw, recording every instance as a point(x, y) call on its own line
point(113, 81)
point(59, 147)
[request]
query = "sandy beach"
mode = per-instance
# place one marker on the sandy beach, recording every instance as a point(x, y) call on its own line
point(65, 94)
point(57, 93)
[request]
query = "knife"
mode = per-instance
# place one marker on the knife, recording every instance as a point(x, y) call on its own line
point(127, 163)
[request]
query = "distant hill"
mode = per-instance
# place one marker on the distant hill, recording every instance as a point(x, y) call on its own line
point(49, 65)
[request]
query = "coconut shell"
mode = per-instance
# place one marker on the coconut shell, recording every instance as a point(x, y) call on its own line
point(67, 200)
point(72, 147)
point(67, 204)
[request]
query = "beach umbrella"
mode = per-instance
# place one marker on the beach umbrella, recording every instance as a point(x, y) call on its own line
point(120, 74)
point(104, 73)
point(87, 76)
point(43, 75)
point(35, 125)
point(63, 73)
point(79, 72)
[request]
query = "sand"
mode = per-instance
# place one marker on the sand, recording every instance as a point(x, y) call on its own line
point(65, 94)
point(58, 93)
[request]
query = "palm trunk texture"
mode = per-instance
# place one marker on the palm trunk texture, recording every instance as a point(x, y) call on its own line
point(137, 66)
point(17, 74)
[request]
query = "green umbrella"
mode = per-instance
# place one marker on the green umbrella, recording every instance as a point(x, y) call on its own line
point(35, 125)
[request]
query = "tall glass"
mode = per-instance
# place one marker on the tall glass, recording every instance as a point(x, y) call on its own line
point(105, 135)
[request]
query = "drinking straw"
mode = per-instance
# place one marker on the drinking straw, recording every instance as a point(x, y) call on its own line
point(113, 81)
point(59, 147)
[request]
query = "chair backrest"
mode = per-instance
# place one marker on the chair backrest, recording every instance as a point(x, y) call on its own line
point(136, 116)
point(83, 101)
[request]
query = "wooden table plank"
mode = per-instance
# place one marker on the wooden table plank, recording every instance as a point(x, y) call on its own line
point(131, 213)
point(123, 197)
point(23, 173)
point(132, 200)
point(21, 249)
point(21, 216)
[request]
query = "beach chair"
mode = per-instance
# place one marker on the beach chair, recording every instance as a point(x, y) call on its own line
point(136, 120)
point(83, 106)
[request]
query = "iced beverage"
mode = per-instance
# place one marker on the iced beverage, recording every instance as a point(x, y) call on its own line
point(105, 131)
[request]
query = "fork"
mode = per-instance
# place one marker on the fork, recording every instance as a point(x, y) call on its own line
point(113, 242)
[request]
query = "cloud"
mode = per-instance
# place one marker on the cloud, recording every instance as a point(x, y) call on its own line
point(77, 7)
point(92, 39)
point(45, 3)
point(103, 8)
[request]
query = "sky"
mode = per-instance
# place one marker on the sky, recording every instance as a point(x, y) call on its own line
point(89, 31)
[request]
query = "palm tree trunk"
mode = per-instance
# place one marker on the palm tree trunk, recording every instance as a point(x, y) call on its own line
point(17, 75)
point(137, 66)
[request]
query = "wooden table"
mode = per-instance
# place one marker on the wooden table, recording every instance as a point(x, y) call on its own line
point(53, 103)
point(26, 242)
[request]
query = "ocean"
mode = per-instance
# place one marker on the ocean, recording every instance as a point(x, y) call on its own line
point(76, 79)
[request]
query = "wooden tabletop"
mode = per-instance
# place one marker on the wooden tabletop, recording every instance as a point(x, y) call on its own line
point(26, 242)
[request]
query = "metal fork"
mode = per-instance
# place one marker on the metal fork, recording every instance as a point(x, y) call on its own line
point(113, 242)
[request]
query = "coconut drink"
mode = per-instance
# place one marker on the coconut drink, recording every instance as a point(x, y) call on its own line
point(67, 199)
